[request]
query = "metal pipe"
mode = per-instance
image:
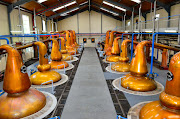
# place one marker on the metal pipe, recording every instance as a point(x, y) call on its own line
point(112, 37)
point(132, 21)
point(125, 21)
point(35, 27)
point(5, 39)
point(154, 16)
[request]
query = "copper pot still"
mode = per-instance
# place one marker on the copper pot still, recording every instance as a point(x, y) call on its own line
point(168, 106)
point(19, 99)
point(44, 74)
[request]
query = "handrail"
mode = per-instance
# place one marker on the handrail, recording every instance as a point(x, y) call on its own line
point(125, 34)
point(153, 38)
point(18, 36)
point(5, 39)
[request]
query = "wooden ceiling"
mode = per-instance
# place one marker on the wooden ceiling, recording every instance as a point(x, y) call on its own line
point(46, 8)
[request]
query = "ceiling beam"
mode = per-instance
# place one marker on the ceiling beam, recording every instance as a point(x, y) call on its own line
point(4, 3)
point(53, 7)
point(165, 6)
point(121, 5)
point(20, 2)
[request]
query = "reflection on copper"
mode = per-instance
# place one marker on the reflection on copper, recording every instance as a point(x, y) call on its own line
point(168, 107)
point(19, 100)
point(44, 74)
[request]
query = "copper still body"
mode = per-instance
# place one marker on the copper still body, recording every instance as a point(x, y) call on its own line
point(107, 40)
point(56, 57)
point(137, 80)
point(123, 64)
point(19, 100)
point(168, 106)
point(115, 51)
point(44, 74)
point(109, 46)
point(69, 43)
point(65, 55)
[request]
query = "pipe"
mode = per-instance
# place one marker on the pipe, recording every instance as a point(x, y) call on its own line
point(112, 37)
point(125, 34)
point(164, 59)
point(18, 36)
point(123, 55)
point(43, 56)
point(5, 39)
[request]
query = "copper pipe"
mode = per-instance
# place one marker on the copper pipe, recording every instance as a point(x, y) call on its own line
point(13, 72)
point(112, 37)
point(164, 59)
point(123, 55)
point(43, 52)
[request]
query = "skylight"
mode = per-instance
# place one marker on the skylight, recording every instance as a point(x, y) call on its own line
point(137, 1)
point(58, 8)
point(66, 13)
point(83, 3)
point(112, 5)
point(40, 1)
point(66, 5)
point(114, 13)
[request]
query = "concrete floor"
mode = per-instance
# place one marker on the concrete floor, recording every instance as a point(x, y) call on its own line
point(89, 97)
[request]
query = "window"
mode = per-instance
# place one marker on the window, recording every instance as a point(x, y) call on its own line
point(129, 23)
point(44, 26)
point(26, 25)
point(157, 17)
